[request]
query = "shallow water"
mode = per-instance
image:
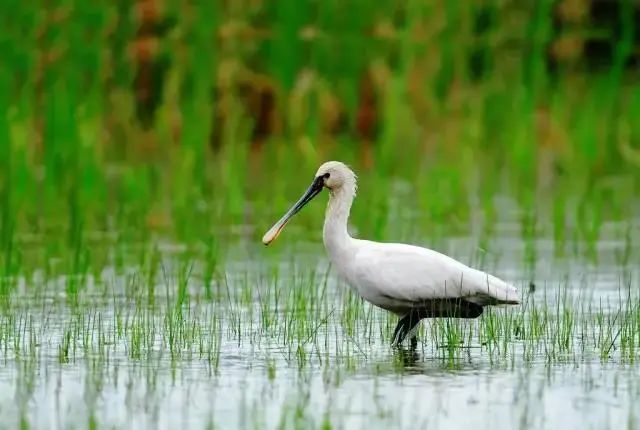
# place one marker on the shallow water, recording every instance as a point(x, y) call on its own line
point(282, 343)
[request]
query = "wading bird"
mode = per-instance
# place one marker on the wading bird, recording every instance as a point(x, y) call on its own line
point(410, 281)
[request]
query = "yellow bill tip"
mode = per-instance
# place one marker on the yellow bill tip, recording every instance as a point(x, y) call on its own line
point(273, 233)
point(267, 239)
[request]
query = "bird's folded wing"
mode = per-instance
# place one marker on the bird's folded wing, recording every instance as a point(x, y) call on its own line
point(414, 274)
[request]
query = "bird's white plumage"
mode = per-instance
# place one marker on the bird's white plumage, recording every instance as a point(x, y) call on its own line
point(394, 276)
point(398, 277)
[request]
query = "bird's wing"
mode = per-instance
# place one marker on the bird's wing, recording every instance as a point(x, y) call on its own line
point(413, 274)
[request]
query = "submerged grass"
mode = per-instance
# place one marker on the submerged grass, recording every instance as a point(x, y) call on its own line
point(302, 321)
point(281, 316)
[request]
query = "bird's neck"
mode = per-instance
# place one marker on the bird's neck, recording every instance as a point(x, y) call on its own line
point(335, 235)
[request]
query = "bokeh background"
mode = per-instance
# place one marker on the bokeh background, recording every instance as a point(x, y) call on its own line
point(181, 115)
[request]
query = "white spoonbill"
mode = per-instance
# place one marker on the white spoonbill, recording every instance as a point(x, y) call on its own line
point(410, 281)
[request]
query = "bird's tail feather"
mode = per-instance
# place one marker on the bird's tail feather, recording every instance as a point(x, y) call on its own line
point(495, 291)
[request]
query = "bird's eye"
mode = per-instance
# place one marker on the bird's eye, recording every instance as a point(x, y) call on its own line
point(326, 175)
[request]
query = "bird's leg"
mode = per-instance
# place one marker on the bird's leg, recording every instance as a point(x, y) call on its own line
point(414, 342)
point(405, 326)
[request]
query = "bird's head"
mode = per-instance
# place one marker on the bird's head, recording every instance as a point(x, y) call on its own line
point(336, 175)
point(333, 175)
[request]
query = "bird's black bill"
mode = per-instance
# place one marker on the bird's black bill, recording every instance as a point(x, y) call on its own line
point(313, 190)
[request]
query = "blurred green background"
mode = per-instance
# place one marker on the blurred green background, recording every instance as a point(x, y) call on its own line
point(194, 118)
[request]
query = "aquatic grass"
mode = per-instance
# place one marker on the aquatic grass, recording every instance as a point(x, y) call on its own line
point(568, 327)
point(556, 328)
